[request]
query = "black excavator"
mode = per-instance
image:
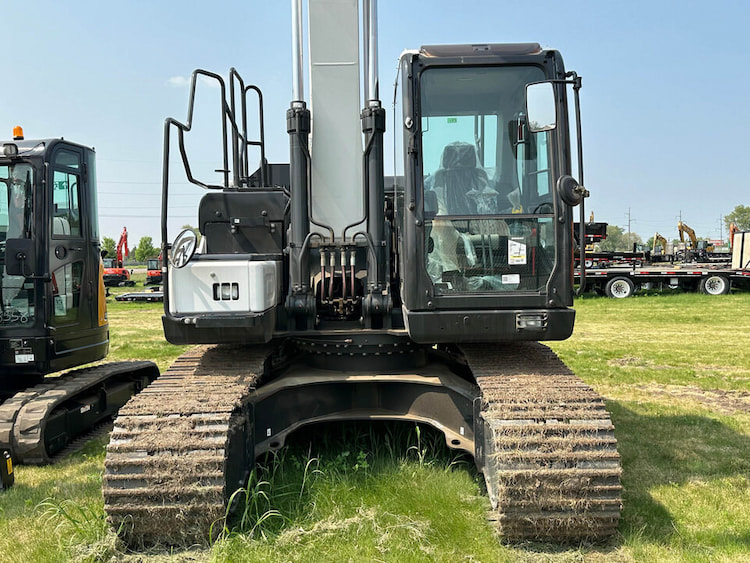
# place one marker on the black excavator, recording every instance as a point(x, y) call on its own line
point(53, 314)
point(322, 291)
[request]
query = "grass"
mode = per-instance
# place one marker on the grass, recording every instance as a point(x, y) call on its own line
point(136, 329)
point(363, 492)
point(56, 513)
point(681, 339)
point(675, 370)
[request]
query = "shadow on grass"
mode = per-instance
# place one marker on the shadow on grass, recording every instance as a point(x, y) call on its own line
point(658, 450)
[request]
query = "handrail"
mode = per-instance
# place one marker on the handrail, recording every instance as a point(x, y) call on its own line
point(240, 143)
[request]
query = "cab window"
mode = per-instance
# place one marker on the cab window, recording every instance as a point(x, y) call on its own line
point(66, 216)
point(487, 193)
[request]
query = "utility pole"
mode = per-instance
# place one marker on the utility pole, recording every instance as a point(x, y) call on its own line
point(629, 220)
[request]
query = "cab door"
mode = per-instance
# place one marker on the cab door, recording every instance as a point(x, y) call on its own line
point(72, 271)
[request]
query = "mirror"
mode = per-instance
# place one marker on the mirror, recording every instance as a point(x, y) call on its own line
point(569, 190)
point(20, 257)
point(183, 248)
point(540, 107)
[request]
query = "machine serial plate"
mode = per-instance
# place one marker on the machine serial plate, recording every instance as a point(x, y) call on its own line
point(24, 356)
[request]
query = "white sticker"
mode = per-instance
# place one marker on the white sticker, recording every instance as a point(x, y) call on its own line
point(516, 252)
point(511, 278)
point(60, 309)
point(24, 358)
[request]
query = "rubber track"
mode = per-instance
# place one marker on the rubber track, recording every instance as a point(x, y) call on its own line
point(75, 446)
point(165, 478)
point(23, 415)
point(550, 456)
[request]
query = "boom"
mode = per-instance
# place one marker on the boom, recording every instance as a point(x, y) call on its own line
point(122, 247)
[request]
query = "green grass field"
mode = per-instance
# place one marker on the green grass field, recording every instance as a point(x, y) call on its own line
point(675, 370)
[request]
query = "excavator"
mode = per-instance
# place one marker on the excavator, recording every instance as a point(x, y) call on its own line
point(696, 250)
point(321, 291)
point(53, 312)
point(660, 250)
point(114, 273)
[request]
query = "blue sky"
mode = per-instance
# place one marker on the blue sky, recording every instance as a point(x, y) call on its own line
point(664, 100)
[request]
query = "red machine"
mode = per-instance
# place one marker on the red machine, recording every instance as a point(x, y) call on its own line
point(114, 273)
point(153, 273)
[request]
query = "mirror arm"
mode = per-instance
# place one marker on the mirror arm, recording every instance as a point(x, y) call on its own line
point(577, 83)
point(21, 257)
point(575, 194)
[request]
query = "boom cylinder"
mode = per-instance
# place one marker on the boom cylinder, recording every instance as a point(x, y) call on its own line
point(298, 127)
point(373, 126)
point(300, 302)
point(377, 303)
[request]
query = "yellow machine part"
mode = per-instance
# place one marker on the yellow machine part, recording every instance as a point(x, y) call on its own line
point(101, 296)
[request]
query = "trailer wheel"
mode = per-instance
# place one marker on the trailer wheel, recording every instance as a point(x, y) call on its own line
point(714, 285)
point(619, 288)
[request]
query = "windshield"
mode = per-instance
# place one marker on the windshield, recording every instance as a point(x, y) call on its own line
point(15, 200)
point(487, 182)
point(16, 189)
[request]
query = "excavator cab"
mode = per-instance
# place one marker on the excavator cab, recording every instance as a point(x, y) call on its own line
point(52, 313)
point(486, 234)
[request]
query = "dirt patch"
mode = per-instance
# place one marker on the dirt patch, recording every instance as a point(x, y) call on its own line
point(724, 402)
point(636, 362)
point(626, 361)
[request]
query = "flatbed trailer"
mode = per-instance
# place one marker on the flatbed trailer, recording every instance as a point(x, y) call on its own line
point(149, 296)
point(614, 259)
point(620, 282)
point(636, 259)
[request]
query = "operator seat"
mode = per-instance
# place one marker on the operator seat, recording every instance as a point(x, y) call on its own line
point(463, 188)
point(457, 176)
point(60, 226)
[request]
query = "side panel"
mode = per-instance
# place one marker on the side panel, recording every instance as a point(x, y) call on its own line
point(222, 286)
point(335, 105)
